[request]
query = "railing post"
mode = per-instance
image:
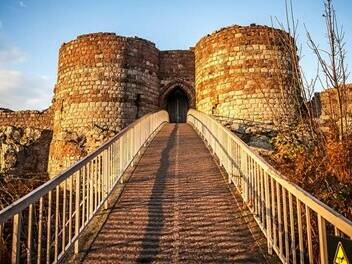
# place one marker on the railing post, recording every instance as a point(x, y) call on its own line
point(244, 176)
point(268, 213)
point(77, 209)
point(105, 179)
point(15, 255)
point(322, 240)
point(121, 153)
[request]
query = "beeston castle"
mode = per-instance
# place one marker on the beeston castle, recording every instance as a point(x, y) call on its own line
point(106, 81)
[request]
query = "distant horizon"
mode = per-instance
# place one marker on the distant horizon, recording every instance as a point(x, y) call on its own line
point(31, 33)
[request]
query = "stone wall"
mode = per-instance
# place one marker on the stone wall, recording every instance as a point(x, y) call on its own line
point(325, 104)
point(27, 118)
point(24, 151)
point(245, 73)
point(104, 83)
point(176, 69)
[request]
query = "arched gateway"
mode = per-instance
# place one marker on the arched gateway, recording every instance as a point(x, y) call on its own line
point(176, 99)
point(177, 105)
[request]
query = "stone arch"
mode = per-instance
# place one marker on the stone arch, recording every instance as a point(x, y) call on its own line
point(184, 86)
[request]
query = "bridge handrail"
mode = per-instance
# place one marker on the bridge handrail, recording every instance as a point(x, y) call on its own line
point(84, 188)
point(270, 197)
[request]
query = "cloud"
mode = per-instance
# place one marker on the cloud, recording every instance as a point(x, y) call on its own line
point(22, 4)
point(11, 55)
point(19, 91)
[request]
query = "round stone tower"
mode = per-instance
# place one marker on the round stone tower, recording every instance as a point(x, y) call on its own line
point(246, 73)
point(104, 83)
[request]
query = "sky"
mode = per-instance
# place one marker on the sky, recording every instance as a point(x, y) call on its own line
point(32, 31)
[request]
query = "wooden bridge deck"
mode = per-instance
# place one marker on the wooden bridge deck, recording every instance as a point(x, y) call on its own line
point(176, 208)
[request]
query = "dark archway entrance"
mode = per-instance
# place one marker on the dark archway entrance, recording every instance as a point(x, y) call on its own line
point(177, 106)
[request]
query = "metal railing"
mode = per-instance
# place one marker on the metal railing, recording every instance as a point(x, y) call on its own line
point(295, 223)
point(43, 225)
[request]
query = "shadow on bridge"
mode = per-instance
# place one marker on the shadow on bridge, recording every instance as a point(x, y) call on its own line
point(155, 205)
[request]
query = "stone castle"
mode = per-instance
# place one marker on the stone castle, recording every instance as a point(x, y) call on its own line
point(106, 81)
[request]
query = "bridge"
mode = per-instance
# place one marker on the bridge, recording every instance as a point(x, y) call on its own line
point(170, 193)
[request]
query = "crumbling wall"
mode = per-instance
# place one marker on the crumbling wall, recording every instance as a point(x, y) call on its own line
point(24, 151)
point(26, 118)
point(326, 106)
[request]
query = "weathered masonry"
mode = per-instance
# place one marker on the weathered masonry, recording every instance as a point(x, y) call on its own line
point(106, 81)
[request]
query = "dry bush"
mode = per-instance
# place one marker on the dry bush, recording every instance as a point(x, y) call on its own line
point(317, 155)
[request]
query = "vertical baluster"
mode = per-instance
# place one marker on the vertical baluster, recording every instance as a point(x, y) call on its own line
point(40, 231)
point(309, 235)
point(77, 209)
point(229, 157)
point(87, 171)
point(48, 231)
point(262, 196)
point(56, 248)
point(300, 231)
point(95, 174)
point(254, 165)
point(257, 190)
point(322, 240)
point(105, 179)
point(287, 249)
point(90, 179)
point(102, 182)
point(64, 216)
point(292, 231)
point(70, 211)
point(250, 176)
point(244, 175)
point(111, 176)
point(84, 195)
point(268, 213)
point(29, 238)
point(279, 216)
point(273, 210)
point(98, 179)
point(96, 183)
point(16, 239)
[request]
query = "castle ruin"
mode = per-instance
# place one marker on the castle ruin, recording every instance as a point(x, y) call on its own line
point(106, 81)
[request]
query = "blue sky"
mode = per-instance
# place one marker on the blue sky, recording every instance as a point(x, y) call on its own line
point(31, 32)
